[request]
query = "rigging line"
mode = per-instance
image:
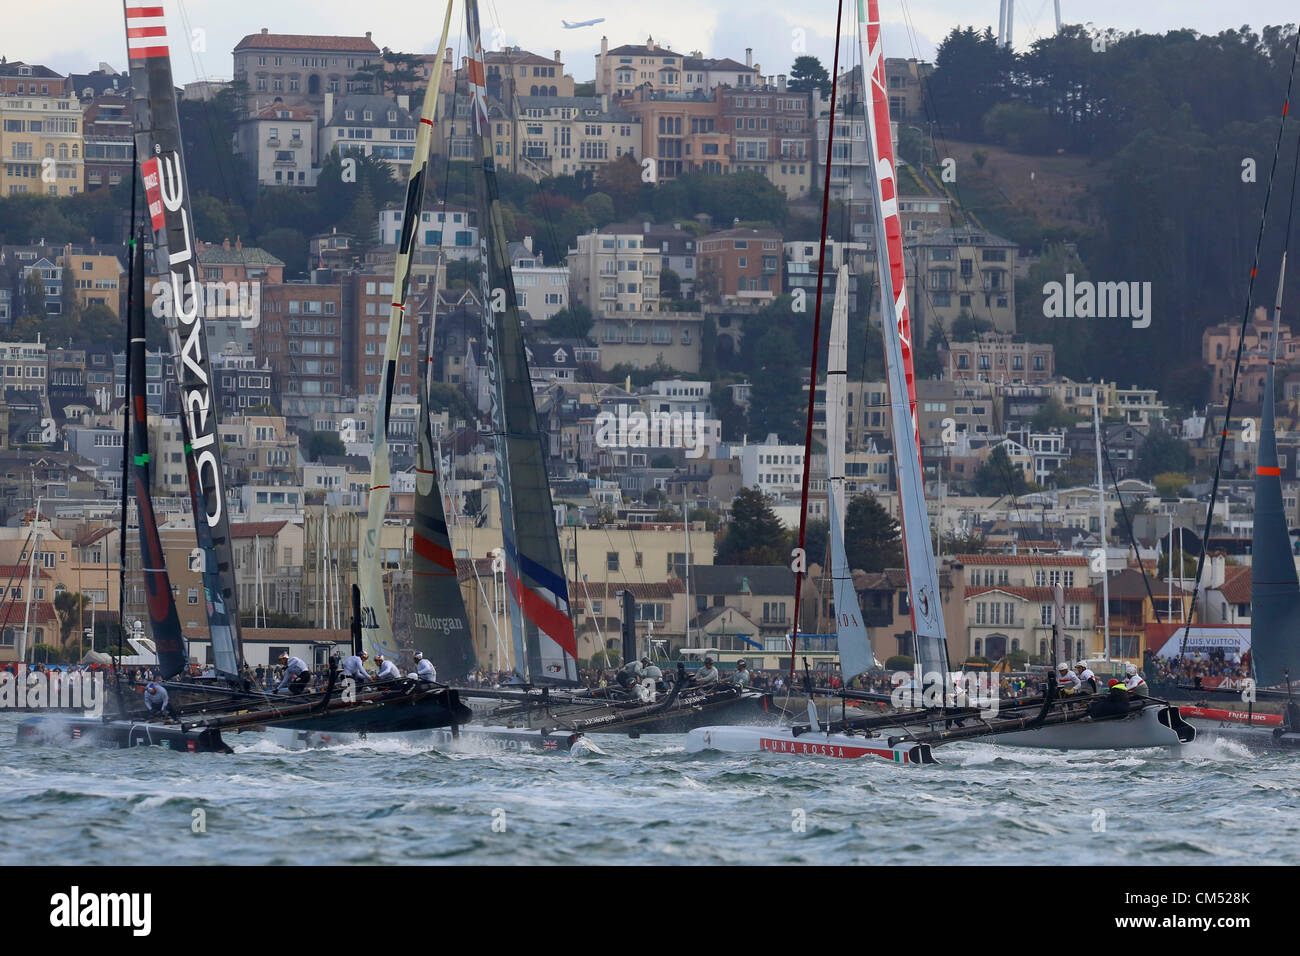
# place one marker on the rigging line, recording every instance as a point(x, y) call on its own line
point(1241, 342)
point(1128, 524)
point(817, 326)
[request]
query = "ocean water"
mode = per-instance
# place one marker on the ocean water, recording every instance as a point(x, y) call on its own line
point(646, 801)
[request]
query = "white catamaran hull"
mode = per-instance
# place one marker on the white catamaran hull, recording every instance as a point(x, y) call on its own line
point(782, 740)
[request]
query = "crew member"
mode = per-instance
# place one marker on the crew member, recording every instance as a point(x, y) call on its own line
point(1134, 681)
point(1114, 703)
point(355, 667)
point(1066, 679)
point(155, 699)
point(708, 674)
point(296, 675)
point(630, 674)
point(424, 669)
point(651, 670)
point(387, 669)
point(742, 675)
point(1087, 679)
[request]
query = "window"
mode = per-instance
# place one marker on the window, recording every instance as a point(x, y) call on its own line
point(193, 596)
point(611, 560)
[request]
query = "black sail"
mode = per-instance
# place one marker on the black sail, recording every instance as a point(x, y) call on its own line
point(164, 621)
point(157, 136)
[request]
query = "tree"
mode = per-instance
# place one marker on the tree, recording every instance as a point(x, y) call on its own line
point(873, 540)
point(288, 245)
point(68, 605)
point(449, 398)
point(363, 221)
point(1052, 415)
point(998, 476)
point(324, 443)
point(817, 541)
point(600, 207)
point(808, 74)
point(1161, 452)
point(670, 284)
point(754, 534)
point(971, 541)
point(571, 323)
point(1170, 484)
point(775, 399)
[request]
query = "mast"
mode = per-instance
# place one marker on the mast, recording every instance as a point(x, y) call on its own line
point(800, 566)
point(31, 583)
point(931, 647)
point(157, 135)
point(1101, 511)
point(376, 624)
point(544, 642)
point(160, 602)
point(856, 655)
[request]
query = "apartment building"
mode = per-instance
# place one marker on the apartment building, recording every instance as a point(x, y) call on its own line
point(378, 126)
point(300, 69)
point(773, 468)
point(904, 82)
point(97, 277)
point(41, 145)
point(920, 215)
point(1000, 359)
point(447, 230)
point(301, 337)
point(243, 382)
point(771, 133)
point(540, 289)
point(643, 341)
point(962, 271)
point(280, 142)
point(740, 265)
point(513, 72)
point(558, 136)
point(372, 295)
point(1219, 346)
point(614, 270)
point(681, 131)
point(29, 79)
point(623, 69)
point(107, 135)
point(24, 367)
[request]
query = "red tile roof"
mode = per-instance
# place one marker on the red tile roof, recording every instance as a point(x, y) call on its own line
point(15, 612)
point(1236, 585)
point(294, 41)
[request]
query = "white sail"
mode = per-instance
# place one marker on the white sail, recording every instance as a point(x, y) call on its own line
point(854, 645)
point(376, 624)
point(930, 640)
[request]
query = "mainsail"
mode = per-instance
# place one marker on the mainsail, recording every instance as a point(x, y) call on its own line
point(157, 135)
point(930, 640)
point(1274, 589)
point(440, 627)
point(376, 624)
point(854, 645)
point(881, 146)
point(164, 621)
point(545, 645)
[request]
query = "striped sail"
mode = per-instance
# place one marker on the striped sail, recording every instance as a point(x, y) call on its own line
point(376, 622)
point(1274, 590)
point(881, 143)
point(930, 640)
point(164, 621)
point(544, 642)
point(854, 645)
point(157, 135)
point(440, 626)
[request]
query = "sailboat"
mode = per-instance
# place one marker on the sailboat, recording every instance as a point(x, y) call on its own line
point(921, 729)
point(1274, 594)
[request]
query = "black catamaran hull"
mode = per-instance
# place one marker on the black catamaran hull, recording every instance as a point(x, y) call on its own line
point(121, 734)
point(394, 713)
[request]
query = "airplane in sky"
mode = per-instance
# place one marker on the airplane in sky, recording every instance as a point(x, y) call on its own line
point(582, 23)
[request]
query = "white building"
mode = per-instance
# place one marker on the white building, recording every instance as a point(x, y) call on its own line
point(377, 126)
point(280, 142)
point(541, 289)
point(615, 271)
point(773, 468)
point(451, 230)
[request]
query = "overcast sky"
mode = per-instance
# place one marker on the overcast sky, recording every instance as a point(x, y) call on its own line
point(91, 31)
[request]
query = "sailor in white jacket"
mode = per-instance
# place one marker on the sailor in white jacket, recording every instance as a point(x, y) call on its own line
point(355, 667)
point(424, 669)
point(1067, 679)
point(1133, 680)
point(387, 669)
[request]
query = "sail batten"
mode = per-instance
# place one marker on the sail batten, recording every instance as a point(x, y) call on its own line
point(545, 646)
point(930, 640)
point(157, 135)
point(376, 621)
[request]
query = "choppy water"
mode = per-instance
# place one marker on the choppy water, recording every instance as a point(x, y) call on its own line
point(642, 801)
